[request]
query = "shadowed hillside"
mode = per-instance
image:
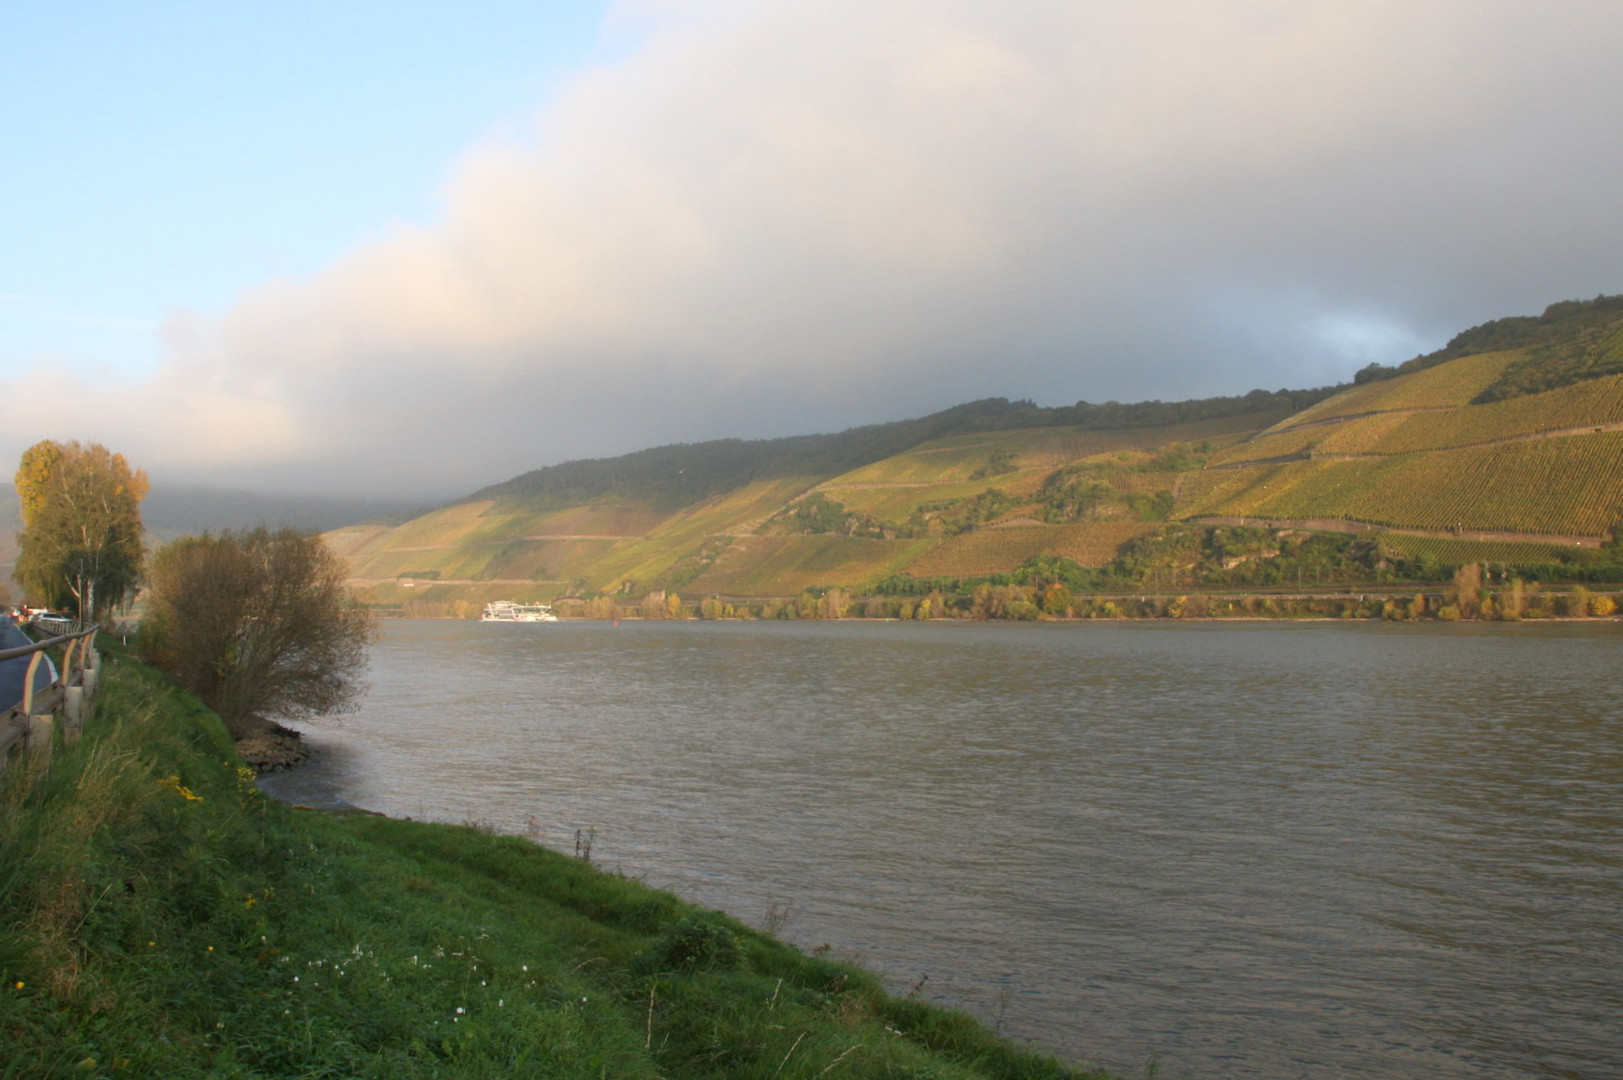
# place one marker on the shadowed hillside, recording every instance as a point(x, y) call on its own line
point(1571, 341)
point(673, 476)
point(1506, 446)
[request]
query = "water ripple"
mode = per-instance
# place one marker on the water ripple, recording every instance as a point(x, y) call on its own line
point(1252, 851)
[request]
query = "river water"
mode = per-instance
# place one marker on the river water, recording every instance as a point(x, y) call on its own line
point(1240, 850)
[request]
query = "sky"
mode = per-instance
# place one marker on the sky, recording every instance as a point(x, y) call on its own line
point(411, 249)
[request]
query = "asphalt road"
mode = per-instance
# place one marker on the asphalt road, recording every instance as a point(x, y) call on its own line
point(12, 672)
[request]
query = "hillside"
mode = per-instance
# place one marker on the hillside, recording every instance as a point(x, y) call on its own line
point(960, 505)
point(1506, 446)
point(676, 476)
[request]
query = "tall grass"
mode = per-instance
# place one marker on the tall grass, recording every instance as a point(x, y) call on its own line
point(160, 918)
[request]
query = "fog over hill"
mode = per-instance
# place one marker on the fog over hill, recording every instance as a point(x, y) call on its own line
point(764, 219)
point(182, 510)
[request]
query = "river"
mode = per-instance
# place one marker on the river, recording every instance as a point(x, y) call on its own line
point(1236, 850)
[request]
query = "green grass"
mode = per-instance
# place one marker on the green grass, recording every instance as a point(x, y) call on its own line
point(160, 918)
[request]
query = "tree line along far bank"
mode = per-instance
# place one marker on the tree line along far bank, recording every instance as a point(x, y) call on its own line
point(258, 623)
point(1466, 596)
point(1179, 571)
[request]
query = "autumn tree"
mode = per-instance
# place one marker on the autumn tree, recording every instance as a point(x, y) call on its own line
point(258, 624)
point(81, 545)
point(1467, 589)
point(833, 604)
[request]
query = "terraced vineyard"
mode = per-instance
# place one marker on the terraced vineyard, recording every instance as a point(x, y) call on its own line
point(1413, 452)
point(683, 544)
point(1593, 403)
point(1552, 486)
point(1590, 404)
point(1200, 492)
point(1448, 552)
point(1448, 385)
point(1368, 434)
point(997, 550)
point(966, 500)
point(1292, 442)
point(898, 503)
point(786, 565)
point(546, 560)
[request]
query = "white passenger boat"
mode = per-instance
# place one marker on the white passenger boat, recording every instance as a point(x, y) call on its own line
point(508, 611)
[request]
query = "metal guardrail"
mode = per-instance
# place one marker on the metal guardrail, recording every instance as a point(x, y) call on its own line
point(32, 720)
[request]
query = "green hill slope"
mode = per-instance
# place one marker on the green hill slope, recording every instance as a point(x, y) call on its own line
point(1507, 445)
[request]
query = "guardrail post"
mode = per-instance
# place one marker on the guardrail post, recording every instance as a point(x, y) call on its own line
point(90, 669)
point(73, 714)
point(40, 726)
point(28, 684)
point(77, 685)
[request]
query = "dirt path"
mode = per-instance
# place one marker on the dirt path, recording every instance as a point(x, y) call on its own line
point(1342, 525)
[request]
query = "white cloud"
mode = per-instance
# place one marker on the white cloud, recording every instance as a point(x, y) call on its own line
point(773, 217)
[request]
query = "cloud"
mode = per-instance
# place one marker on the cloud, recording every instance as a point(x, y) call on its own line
point(768, 218)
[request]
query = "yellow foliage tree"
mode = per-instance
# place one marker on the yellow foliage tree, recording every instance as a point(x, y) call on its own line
point(1467, 589)
point(81, 544)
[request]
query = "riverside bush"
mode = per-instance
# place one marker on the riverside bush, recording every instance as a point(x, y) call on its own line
point(705, 940)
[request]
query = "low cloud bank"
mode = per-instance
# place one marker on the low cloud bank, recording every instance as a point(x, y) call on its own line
point(768, 219)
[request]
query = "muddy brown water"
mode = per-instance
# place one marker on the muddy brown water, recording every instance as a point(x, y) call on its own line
point(1240, 850)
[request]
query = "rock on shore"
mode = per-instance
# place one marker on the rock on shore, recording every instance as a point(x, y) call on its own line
point(274, 749)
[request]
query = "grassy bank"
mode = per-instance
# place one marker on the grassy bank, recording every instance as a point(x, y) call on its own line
point(160, 917)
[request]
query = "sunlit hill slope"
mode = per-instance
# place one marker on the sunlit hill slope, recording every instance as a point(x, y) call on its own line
point(1507, 445)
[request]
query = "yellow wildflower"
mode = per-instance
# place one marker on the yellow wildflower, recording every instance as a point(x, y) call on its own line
point(173, 784)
